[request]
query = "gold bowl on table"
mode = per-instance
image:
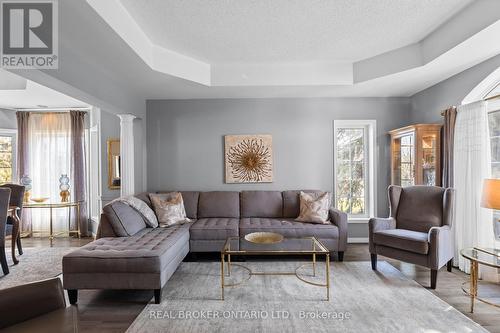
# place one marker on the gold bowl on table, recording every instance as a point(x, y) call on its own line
point(264, 237)
point(39, 200)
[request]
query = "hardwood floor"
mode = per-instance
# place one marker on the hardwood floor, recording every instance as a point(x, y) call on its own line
point(114, 311)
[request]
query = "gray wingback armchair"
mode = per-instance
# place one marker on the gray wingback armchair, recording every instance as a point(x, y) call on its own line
point(418, 229)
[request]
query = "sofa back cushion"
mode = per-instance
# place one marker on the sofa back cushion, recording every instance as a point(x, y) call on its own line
point(291, 202)
point(219, 204)
point(420, 208)
point(190, 199)
point(261, 204)
point(124, 220)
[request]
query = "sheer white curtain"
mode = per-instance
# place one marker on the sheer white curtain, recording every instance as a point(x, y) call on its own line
point(472, 160)
point(49, 140)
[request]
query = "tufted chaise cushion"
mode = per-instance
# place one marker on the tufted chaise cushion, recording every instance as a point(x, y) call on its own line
point(149, 251)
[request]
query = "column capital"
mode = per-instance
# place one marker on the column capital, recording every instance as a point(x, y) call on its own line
point(126, 117)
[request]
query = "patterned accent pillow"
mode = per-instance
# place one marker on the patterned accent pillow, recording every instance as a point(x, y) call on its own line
point(142, 208)
point(169, 208)
point(314, 207)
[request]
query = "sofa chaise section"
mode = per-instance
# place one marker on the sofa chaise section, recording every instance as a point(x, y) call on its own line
point(142, 260)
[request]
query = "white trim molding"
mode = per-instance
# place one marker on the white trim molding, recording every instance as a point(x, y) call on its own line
point(127, 158)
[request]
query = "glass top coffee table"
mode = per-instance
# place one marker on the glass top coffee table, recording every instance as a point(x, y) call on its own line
point(484, 256)
point(272, 246)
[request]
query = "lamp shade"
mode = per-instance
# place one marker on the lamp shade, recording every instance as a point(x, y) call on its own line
point(491, 194)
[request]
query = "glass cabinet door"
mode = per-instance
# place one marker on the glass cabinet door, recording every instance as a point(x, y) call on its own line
point(429, 158)
point(404, 160)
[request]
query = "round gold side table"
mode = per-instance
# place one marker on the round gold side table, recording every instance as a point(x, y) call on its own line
point(484, 256)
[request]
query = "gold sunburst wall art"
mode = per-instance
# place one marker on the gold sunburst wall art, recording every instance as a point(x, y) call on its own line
point(248, 158)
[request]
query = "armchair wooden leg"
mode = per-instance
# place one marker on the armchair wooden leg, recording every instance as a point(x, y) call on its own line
point(374, 261)
point(434, 275)
point(449, 265)
point(157, 296)
point(340, 255)
point(3, 261)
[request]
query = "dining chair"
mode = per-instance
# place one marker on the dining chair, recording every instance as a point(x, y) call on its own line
point(4, 206)
point(16, 199)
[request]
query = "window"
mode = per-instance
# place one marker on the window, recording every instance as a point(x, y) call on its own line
point(354, 164)
point(494, 125)
point(7, 155)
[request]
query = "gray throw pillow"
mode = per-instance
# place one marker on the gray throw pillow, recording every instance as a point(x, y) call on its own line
point(142, 208)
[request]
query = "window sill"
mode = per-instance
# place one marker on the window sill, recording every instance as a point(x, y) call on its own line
point(358, 220)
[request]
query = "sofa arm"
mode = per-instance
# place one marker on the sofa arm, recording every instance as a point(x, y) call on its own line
point(440, 246)
point(339, 219)
point(377, 224)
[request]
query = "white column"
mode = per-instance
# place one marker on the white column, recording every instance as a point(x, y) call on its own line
point(127, 154)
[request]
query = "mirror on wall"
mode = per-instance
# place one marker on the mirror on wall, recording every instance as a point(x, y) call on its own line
point(114, 163)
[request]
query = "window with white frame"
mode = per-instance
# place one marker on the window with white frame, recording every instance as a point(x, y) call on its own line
point(8, 142)
point(354, 167)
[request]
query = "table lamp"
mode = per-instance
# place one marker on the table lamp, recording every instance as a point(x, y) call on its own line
point(491, 199)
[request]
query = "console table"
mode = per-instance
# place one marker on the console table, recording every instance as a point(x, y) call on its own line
point(487, 256)
point(54, 205)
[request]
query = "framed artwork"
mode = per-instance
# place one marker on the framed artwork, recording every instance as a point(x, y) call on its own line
point(248, 158)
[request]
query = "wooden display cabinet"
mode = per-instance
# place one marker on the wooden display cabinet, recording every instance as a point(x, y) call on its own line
point(416, 155)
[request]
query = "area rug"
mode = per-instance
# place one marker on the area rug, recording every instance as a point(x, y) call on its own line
point(37, 263)
point(361, 301)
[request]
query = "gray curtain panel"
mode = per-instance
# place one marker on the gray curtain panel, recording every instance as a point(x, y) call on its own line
point(450, 116)
point(78, 166)
point(23, 160)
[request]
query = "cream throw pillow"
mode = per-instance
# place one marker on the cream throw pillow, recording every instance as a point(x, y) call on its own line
point(314, 207)
point(169, 208)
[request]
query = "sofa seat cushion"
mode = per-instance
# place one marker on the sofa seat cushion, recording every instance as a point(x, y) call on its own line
point(403, 239)
point(288, 228)
point(149, 251)
point(214, 228)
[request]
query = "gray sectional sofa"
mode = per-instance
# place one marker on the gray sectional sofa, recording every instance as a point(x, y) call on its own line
point(129, 255)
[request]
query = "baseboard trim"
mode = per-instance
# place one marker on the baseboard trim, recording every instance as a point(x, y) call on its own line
point(357, 240)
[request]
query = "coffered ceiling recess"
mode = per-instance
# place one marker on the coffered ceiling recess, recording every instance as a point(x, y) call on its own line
point(230, 43)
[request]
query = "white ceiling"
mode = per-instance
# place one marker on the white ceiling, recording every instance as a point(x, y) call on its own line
point(32, 95)
point(124, 53)
point(263, 31)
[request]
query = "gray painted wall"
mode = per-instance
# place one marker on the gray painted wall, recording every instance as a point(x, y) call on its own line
point(185, 141)
point(428, 104)
point(8, 119)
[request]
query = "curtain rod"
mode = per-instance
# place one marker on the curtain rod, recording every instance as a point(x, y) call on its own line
point(486, 99)
point(53, 110)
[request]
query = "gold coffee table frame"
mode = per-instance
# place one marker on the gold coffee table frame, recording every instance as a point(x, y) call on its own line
point(476, 256)
point(317, 248)
point(54, 205)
